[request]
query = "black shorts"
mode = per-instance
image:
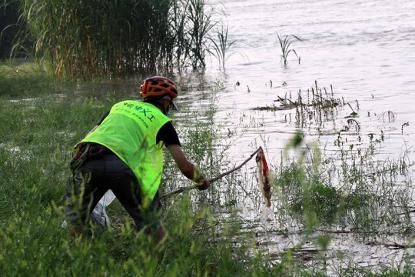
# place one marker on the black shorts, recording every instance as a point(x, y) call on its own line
point(97, 172)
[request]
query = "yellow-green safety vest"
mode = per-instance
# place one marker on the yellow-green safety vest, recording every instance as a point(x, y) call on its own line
point(130, 131)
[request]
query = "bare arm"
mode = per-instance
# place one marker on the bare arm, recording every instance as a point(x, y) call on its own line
point(186, 167)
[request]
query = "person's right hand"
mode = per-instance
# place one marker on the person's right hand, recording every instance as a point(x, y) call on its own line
point(203, 185)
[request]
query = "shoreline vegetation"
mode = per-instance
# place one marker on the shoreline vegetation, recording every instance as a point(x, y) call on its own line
point(86, 40)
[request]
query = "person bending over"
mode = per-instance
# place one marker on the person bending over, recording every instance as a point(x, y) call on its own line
point(124, 153)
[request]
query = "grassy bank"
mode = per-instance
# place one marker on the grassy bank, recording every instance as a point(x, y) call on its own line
point(26, 81)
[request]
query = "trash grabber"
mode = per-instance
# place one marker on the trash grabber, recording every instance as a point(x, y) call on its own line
point(220, 176)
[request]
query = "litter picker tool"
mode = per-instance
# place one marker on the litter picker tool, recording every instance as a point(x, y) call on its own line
point(260, 153)
point(100, 216)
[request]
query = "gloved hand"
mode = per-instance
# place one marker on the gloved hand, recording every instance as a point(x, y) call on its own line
point(199, 179)
point(204, 184)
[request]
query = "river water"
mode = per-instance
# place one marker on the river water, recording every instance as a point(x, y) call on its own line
point(364, 49)
point(362, 52)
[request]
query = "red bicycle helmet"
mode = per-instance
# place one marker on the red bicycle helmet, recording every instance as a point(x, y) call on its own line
point(158, 86)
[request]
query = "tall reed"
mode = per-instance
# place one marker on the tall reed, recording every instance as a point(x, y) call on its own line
point(285, 44)
point(95, 38)
point(201, 24)
point(222, 45)
point(191, 24)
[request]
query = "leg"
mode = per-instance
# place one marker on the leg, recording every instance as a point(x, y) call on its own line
point(148, 219)
point(128, 193)
point(125, 187)
point(82, 194)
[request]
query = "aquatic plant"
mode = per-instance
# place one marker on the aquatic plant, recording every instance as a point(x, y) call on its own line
point(406, 124)
point(221, 46)
point(322, 199)
point(201, 24)
point(367, 196)
point(316, 105)
point(286, 49)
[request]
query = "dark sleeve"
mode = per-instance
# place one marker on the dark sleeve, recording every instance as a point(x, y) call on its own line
point(102, 118)
point(168, 135)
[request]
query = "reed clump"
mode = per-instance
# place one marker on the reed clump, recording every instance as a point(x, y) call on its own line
point(285, 43)
point(315, 105)
point(87, 39)
point(222, 45)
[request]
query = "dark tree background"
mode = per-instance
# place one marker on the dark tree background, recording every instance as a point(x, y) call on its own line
point(12, 30)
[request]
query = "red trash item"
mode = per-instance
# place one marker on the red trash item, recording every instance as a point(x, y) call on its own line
point(264, 183)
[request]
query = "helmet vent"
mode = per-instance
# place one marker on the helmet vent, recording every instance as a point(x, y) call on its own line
point(158, 86)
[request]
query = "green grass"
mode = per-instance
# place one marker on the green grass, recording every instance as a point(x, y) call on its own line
point(33, 243)
point(25, 81)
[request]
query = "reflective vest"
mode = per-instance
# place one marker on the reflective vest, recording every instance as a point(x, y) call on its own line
point(130, 131)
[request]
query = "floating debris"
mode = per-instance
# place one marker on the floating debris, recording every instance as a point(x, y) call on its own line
point(313, 106)
point(269, 108)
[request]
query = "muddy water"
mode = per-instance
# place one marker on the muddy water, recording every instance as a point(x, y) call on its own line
point(365, 50)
